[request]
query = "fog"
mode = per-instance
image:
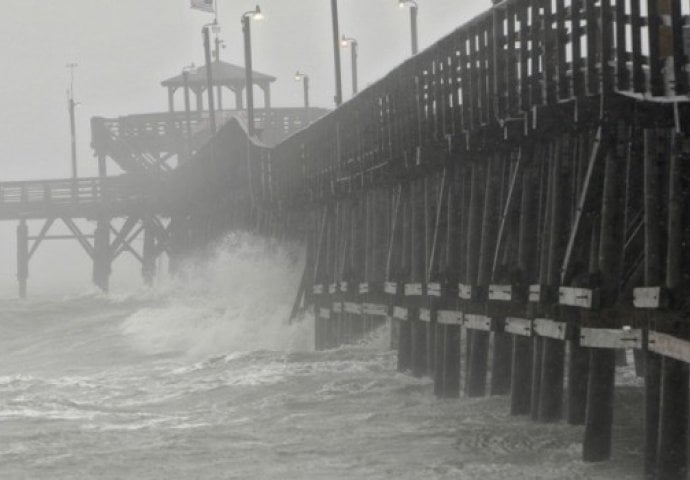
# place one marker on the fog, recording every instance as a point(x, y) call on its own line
point(124, 48)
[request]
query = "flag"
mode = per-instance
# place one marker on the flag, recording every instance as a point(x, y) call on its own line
point(205, 5)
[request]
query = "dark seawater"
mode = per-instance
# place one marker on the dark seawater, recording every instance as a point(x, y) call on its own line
point(201, 378)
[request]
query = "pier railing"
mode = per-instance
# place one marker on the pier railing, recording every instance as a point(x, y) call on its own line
point(511, 70)
point(143, 143)
point(44, 198)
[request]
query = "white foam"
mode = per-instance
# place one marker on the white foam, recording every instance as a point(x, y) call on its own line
point(238, 300)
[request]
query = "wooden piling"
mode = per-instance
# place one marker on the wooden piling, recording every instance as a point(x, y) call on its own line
point(404, 327)
point(148, 266)
point(602, 361)
point(22, 256)
point(521, 372)
point(553, 350)
point(420, 365)
point(102, 256)
point(477, 341)
point(652, 277)
point(578, 367)
point(672, 453)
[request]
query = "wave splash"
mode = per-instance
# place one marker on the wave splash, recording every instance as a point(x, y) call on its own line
point(239, 299)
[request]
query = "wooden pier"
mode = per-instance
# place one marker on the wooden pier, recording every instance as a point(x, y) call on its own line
point(522, 185)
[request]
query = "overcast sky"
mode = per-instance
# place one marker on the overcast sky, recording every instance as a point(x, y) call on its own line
point(124, 49)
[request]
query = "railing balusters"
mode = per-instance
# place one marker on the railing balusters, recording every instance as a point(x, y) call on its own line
point(578, 80)
point(523, 18)
point(636, 37)
point(656, 80)
point(592, 52)
point(622, 73)
point(679, 57)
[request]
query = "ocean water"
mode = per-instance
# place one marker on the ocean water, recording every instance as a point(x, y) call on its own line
point(202, 378)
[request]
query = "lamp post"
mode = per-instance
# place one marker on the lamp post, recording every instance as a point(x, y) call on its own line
point(209, 73)
point(216, 54)
point(352, 43)
point(413, 22)
point(305, 81)
point(71, 104)
point(187, 111)
point(248, 72)
point(336, 54)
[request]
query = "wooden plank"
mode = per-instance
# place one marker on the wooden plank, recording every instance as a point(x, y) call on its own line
point(647, 297)
point(375, 309)
point(449, 317)
point(518, 326)
point(669, 346)
point(390, 288)
point(576, 297)
point(433, 289)
point(465, 291)
point(503, 293)
point(413, 289)
point(478, 322)
point(610, 338)
point(400, 313)
point(425, 315)
point(545, 327)
point(353, 308)
point(535, 293)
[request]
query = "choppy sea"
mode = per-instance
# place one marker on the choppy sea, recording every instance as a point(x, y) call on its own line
point(201, 377)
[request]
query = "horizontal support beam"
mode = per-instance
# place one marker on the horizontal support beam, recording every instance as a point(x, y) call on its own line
point(610, 338)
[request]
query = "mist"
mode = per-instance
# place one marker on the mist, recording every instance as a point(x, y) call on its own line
point(125, 48)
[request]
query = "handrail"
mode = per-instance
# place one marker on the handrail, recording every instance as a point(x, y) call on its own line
point(505, 65)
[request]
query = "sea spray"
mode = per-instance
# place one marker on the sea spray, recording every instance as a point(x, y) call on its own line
point(239, 299)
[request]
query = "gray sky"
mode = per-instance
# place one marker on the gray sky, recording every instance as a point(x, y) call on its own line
point(126, 47)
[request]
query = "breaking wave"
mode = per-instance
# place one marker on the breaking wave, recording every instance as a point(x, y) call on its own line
point(240, 299)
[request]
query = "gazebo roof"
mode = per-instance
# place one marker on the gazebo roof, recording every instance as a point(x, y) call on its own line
point(223, 73)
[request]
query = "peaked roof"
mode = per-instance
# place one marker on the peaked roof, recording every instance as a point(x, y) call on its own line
point(223, 73)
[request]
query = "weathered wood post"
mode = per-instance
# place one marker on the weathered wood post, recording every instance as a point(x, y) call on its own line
point(652, 277)
point(450, 320)
point(414, 291)
point(102, 256)
point(578, 356)
point(504, 253)
point(602, 361)
point(404, 326)
point(477, 342)
point(22, 256)
point(521, 380)
point(148, 266)
point(672, 457)
point(553, 350)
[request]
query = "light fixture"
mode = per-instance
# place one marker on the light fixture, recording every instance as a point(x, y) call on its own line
point(347, 41)
point(255, 14)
